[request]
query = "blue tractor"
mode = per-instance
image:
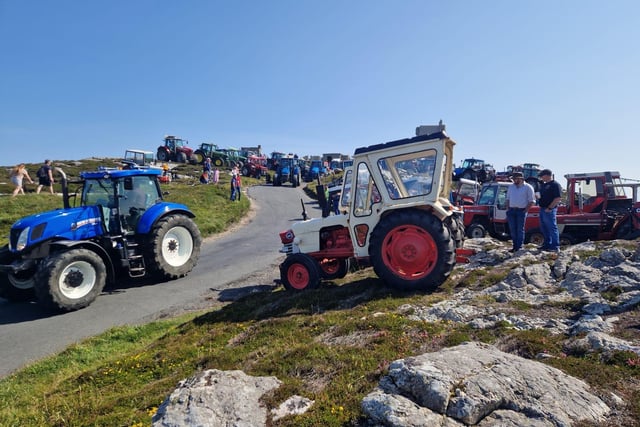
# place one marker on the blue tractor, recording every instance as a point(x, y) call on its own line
point(121, 228)
point(287, 170)
point(316, 170)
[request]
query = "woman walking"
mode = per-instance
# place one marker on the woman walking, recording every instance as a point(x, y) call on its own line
point(18, 174)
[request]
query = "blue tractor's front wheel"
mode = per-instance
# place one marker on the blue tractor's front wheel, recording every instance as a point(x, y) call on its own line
point(70, 280)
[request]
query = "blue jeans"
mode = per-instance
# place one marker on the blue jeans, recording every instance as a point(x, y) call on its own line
point(549, 228)
point(515, 218)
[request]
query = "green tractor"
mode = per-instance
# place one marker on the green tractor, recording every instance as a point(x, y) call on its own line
point(217, 156)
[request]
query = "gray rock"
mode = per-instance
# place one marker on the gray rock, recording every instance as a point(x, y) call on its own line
point(474, 383)
point(216, 398)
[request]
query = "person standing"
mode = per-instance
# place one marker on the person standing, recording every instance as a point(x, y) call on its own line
point(234, 185)
point(206, 169)
point(45, 177)
point(18, 175)
point(216, 175)
point(550, 196)
point(239, 184)
point(520, 197)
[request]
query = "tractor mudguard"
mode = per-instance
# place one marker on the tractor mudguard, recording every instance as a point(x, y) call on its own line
point(155, 212)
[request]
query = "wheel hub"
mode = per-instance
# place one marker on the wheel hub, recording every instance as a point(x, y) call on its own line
point(74, 279)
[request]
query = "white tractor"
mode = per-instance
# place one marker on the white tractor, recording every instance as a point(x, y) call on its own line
point(395, 214)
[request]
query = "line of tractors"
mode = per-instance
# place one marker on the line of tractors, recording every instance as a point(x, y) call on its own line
point(395, 213)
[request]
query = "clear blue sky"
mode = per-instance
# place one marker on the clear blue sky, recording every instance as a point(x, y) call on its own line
point(544, 81)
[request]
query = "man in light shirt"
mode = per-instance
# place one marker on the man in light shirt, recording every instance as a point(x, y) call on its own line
point(520, 197)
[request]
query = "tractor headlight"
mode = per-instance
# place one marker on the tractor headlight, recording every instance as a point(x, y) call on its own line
point(23, 239)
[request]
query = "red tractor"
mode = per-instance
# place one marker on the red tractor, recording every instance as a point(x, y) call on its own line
point(255, 166)
point(175, 150)
point(596, 208)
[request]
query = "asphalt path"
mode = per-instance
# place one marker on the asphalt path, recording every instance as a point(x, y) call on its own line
point(29, 333)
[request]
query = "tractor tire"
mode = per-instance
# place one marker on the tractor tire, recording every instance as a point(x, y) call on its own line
point(174, 244)
point(534, 236)
point(70, 280)
point(15, 287)
point(411, 250)
point(334, 268)
point(162, 156)
point(245, 171)
point(218, 162)
point(567, 240)
point(296, 181)
point(299, 272)
point(476, 231)
point(199, 157)
point(181, 158)
point(455, 224)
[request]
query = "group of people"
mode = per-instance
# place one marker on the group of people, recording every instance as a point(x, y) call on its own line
point(45, 178)
point(210, 175)
point(521, 197)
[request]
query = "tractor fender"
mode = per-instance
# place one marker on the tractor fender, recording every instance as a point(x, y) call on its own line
point(160, 210)
point(57, 245)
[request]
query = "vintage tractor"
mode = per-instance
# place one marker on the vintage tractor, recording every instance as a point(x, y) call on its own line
point(121, 228)
point(175, 150)
point(395, 215)
point(596, 208)
point(256, 166)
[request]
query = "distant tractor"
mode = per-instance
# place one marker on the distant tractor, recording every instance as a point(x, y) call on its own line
point(175, 150)
point(316, 170)
point(273, 160)
point(394, 214)
point(235, 157)
point(529, 170)
point(122, 228)
point(138, 157)
point(218, 158)
point(256, 166)
point(475, 169)
point(287, 170)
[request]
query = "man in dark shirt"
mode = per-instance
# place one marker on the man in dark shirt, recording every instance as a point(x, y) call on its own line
point(550, 196)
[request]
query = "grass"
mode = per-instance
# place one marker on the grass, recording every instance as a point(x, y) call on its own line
point(331, 345)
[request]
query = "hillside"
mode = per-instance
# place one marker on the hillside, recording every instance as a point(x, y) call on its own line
point(577, 312)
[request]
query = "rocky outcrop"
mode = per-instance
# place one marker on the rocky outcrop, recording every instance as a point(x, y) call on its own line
point(473, 383)
point(477, 384)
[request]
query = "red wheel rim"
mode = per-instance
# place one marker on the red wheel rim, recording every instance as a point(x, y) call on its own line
point(298, 276)
point(330, 265)
point(410, 252)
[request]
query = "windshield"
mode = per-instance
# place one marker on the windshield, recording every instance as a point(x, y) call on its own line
point(408, 175)
point(98, 192)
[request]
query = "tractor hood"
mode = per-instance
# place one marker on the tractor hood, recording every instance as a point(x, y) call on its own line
point(73, 224)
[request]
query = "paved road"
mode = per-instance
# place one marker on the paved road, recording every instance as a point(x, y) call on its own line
point(28, 333)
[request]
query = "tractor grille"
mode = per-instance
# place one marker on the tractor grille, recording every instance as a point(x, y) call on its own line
point(13, 237)
point(287, 248)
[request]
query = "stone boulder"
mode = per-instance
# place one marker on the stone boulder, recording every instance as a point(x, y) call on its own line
point(216, 398)
point(477, 384)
